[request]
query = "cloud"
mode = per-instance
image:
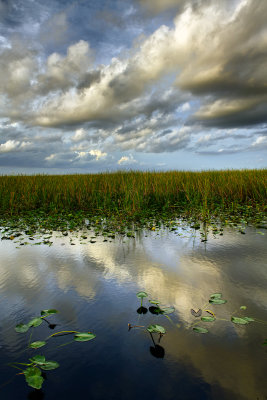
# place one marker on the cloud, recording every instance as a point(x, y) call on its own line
point(80, 134)
point(125, 160)
point(13, 145)
point(206, 70)
point(98, 154)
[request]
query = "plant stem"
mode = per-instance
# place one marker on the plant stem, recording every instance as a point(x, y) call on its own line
point(59, 333)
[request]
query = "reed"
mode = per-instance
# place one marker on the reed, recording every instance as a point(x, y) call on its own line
point(134, 193)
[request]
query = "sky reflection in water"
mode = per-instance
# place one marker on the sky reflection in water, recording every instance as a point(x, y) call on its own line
point(94, 286)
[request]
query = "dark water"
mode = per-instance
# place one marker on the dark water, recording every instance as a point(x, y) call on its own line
point(94, 288)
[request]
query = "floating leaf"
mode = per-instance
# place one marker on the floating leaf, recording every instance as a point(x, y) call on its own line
point(49, 365)
point(167, 310)
point(35, 322)
point(196, 313)
point(36, 345)
point(215, 296)
point(265, 342)
point(22, 328)
point(156, 329)
point(35, 381)
point(141, 295)
point(207, 319)
point(198, 329)
point(38, 359)
point(84, 336)
point(243, 308)
point(154, 302)
point(48, 312)
point(217, 301)
point(249, 319)
point(240, 321)
point(31, 371)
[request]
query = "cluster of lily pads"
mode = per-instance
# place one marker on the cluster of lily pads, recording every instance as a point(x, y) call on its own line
point(25, 228)
point(33, 372)
point(210, 316)
point(155, 308)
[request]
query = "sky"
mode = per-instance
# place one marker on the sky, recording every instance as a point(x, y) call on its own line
point(93, 86)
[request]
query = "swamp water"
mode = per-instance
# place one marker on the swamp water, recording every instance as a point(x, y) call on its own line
point(94, 286)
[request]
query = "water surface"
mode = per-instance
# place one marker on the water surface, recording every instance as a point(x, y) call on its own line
point(94, 285)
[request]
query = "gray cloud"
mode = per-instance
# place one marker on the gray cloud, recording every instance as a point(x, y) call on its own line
point(205, 70)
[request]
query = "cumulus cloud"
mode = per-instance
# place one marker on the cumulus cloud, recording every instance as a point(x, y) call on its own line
point(205, 70)
point(126, 160)
point(13, 145)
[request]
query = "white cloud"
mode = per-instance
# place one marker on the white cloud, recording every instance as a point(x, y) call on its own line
point(125, 160)
point(8, 146)
point(97, 153)
point(80, 134)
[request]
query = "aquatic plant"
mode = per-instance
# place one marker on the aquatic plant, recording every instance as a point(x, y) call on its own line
point(64, 201)
point(141, 295)
point(33, 373)
point(216, 299)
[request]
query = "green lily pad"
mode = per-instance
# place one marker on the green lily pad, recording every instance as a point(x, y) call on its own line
point(37, 344)
point(38, 359)
point(249, 319)
point(207, 319)
point(32, 371)
point(217, 301)
point(167, 310)
point(48, 312)
point(49, 365)
point(35, 381)
point(35, 322)
point(141, 295)
point(215, 296)
point(84, 336)
point(243, 308)
point(22, 328)
point(240, 321)
point(154, 302)
point(198, 329)
point(156, 329)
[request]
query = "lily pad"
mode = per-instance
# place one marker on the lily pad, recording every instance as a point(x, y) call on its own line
point(22, 328)
point(31, 371)
point(240, 321)
point(216, 296)
point(49, 365)
point(198, 329)
point(141, 295)
point(154, 302)
point(243, 308)
point(156, 329)
point(249, 319)
point(48, 312)
point(35, 322)
point(37, 344)
point(84, 336)
point(38, 359)
point(167, 310)
point(207, 319)
point(217, 301)
point(35, 381)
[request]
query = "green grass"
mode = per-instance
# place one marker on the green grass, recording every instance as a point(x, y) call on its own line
point(134, 193)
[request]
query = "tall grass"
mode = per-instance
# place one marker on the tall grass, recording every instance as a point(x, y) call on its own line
point(134, 192)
